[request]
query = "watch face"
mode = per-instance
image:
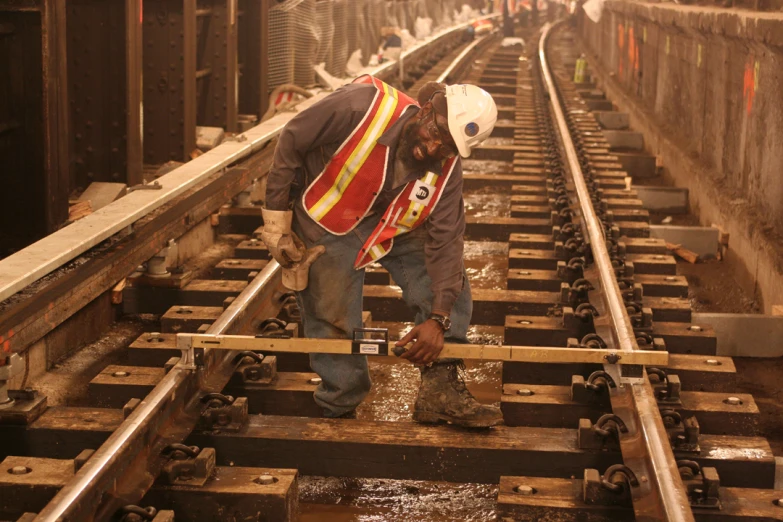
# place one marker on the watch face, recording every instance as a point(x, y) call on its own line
point(446, 323)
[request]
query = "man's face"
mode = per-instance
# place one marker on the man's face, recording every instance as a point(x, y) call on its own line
point(426, 141)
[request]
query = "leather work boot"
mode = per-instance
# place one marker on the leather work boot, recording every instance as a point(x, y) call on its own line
point(444, 397)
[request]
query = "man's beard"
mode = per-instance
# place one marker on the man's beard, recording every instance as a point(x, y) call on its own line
point(409, 139)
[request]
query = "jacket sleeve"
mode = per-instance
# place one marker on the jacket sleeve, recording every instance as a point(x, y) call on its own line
point(444, 246)
point(327, 122)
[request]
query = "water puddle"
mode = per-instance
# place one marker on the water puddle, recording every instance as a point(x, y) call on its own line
point(379, 500)
point(479, 204)
point(487, 166)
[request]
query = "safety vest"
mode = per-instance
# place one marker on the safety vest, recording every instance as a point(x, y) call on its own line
point(343, 194)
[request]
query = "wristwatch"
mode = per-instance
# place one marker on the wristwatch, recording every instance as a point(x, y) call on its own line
point(442, 320)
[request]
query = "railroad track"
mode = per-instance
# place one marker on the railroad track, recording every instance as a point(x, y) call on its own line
point(582, 441)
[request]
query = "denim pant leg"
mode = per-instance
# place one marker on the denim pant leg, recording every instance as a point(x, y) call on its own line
point(331, 307)
point(407, 267)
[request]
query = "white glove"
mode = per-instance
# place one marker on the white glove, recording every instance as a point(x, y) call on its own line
point(282, 243)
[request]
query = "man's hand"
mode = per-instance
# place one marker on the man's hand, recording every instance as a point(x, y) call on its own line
point(429, 343)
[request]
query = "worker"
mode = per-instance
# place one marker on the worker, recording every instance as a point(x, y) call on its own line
point(508, 18)
point(391, 47)
point(369, 175)
point(523, 8)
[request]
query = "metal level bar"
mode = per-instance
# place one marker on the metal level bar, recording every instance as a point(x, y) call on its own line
point(125, 466)
point(42, 257)
point(661, 495)
point(486, 352)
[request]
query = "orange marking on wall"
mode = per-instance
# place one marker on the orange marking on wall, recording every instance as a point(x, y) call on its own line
point(5, 341)
point(633, 51)
point(621, 45)
point(749, 84)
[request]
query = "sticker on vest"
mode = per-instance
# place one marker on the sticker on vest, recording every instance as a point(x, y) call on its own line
point(422, 193)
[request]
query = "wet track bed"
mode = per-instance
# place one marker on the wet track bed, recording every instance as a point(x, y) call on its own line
point(382, 466)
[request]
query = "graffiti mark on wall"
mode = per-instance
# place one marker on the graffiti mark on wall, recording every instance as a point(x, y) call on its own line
point(750, 82)
point(629, 55)
point(633, 52)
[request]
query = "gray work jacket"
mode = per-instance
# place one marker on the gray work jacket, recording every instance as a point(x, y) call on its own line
point(306, 145)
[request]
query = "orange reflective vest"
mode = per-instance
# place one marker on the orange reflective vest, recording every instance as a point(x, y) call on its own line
point(343, 194)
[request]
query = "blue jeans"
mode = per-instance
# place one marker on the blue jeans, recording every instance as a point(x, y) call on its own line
point(331, 307)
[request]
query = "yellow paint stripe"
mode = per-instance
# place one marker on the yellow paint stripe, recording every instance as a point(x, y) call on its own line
point(359, 155)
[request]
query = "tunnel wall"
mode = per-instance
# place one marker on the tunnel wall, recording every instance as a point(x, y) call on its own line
point(705, 86)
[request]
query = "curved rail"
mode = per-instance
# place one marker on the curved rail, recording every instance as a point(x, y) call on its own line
point(645, 448)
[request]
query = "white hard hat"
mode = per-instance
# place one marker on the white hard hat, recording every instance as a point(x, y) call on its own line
point(472, 116)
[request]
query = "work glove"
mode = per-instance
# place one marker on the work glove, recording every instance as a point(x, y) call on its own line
point(282, 243)
point(287, 249)
point(296, 277)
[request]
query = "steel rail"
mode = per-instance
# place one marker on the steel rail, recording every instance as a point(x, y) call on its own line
point(661, 495)
point(124, 466)
point(55, 250)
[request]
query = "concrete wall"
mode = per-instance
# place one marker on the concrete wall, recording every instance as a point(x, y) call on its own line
point(705, 86)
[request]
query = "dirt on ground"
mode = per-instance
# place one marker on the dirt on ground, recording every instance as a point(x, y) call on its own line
point(712, 288)
point(66, 383)
point(761, 378)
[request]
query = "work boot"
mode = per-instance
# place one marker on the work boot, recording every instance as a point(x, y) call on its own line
point(347, 415)
point(444, 397)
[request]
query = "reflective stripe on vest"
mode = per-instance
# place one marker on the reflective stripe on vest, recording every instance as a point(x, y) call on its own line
point(333, 200)
point(409, 210)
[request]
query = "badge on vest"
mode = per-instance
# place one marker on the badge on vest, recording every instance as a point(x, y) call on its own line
point(422, 193)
